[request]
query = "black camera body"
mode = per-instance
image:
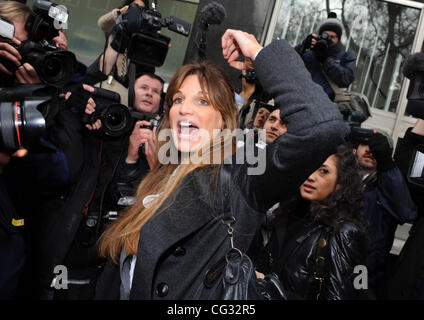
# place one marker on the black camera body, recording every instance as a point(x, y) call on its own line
point(250, 76)
point(117, 120)
point(137, 31)
point(54, 67)
point(323, 42)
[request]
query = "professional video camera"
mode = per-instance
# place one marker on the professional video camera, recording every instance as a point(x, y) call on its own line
point(413, 69)
point(22, 116)
point(137, 31)
point(54, 66)
point(117, 120)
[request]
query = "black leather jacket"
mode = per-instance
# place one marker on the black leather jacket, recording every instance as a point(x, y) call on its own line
point(295, 257)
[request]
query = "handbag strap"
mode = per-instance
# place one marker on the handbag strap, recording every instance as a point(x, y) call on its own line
point(225, 191)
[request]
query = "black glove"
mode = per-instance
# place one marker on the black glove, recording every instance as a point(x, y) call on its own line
point(306, 44)
point(381, 151)
point(321, 53)
point(308, 41)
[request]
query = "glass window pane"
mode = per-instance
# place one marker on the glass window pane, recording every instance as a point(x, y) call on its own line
point(87, 40)
point(380, 34)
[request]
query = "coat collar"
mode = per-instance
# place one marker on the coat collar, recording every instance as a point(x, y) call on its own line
point(189, 211)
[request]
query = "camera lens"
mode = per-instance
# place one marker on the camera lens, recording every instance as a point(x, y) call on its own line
point(116, 120)
point(9, 129)
point(21, 124)
point(52, 68)
point(56, 68)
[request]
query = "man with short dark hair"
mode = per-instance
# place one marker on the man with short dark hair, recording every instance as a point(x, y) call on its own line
point(387, 204)
point(274, 126)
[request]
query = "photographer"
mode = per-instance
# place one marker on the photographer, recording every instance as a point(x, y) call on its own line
point(325, 57)
point(17, 13)
point(387, 204)
point(115, 62)
point(44, 171)
point(12, 245)
point(110, 166)
point(407, 277)
point(148, 89)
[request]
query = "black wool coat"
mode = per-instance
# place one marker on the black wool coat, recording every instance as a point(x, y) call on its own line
point(178, 246)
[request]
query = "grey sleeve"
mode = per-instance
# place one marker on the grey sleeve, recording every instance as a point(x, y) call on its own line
point(314, 127)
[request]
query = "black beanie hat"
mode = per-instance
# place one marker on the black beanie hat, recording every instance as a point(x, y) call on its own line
point(332, 24)
point(267, 106)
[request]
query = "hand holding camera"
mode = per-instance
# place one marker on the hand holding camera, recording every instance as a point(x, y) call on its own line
point(142, 135)
point(9, 52)
point(90, 108)
point(319, 44)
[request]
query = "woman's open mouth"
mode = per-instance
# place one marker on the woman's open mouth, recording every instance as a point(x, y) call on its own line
point(187, 130)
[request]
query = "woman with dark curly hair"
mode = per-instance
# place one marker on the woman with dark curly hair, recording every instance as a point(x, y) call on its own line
point(321, 235)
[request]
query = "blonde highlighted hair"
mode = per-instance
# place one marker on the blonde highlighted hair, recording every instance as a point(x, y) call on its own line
point(15, 11)
point(125, 231)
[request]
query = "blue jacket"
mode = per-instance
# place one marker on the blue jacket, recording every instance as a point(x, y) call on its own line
point(339, 67)
point(387, 203)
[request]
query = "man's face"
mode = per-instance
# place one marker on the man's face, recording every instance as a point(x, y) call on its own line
point(147, 94)
point(333, 37)
point(365, 158)
point(274, 126)
point(61, 41)
point(260, 118)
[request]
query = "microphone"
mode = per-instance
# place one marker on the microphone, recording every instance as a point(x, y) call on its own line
point(212, 13)
point(413, 69)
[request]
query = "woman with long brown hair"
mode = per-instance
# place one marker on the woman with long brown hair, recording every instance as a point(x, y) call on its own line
point(162, 246)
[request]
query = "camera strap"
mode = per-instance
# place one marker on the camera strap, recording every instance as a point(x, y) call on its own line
point(131, 82)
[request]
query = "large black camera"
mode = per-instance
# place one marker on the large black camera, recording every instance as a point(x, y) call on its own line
point(54, 67)
point(323, 42)
point(413, 69)
point(137, 31)
point(117, 120)
point(22, 116)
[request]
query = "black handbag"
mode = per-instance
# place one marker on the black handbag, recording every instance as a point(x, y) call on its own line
point(234, 277)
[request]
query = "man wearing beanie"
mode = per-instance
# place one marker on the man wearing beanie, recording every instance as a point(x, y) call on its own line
point(325, 56)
